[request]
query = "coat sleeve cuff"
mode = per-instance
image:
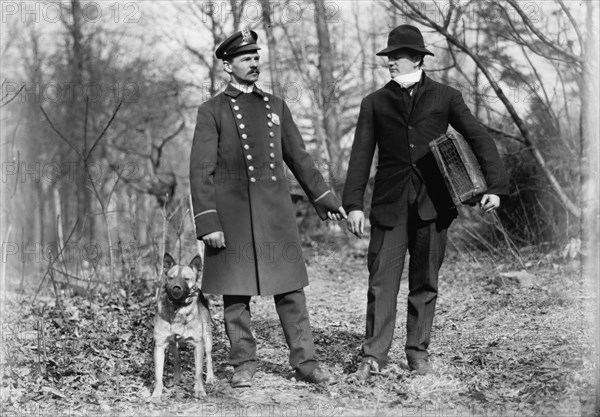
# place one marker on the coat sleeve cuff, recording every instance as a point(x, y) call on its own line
point(352, 207)
point(207, 222)
point(326, 202)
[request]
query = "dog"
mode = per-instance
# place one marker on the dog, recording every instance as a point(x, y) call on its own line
point(182, 315)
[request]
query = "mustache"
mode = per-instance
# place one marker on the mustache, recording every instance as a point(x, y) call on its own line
point(255, 71)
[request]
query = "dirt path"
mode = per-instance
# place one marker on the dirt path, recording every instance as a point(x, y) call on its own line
point(500, 349)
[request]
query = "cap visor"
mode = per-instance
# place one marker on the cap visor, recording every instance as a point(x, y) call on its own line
point(243, 49)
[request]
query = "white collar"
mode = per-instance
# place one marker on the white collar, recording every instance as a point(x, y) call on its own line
point(244, 88)
point(406, 80)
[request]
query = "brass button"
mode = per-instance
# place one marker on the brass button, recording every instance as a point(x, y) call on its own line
point(250, 168)
point(252, 179)
point(271, 134)
point(268, 107)
point(272, 155)
point(246, 146)
point(249, 157)
point(411, 145)
point(239, 116)
point(274, 178)
point(244, 136)
point(236, 108)
point(269, 115)
point(272, 166)
point(266, 98)
point(242, 126)
point(270, 124)
point(271, 145)
point(233, 100)
point(410, 127)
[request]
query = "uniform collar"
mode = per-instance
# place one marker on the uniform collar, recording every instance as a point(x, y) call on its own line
point(234, 92)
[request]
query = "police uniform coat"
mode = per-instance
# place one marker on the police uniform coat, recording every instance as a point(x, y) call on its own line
point(239, 186)
point(402, 138)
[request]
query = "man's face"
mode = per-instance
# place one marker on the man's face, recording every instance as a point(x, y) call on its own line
point(402, 62)
point(243, 68)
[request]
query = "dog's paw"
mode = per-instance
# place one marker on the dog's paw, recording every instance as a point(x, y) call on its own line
point(210, 379)
point(155, 397)
point(199, 393)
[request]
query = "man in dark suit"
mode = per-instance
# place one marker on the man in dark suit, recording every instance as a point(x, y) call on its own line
point(243, 209)
point(411, 208)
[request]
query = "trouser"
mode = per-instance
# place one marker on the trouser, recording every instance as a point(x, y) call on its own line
point(293, 315)
point(426, 244)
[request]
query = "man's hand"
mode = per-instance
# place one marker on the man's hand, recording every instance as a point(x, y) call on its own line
point(338, 215)
point(356, 223)
point(215, 240)
point(489, 202)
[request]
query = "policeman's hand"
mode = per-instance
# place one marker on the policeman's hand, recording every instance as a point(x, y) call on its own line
point(338, 215)
point(215, 240)
point(356, 223)
point(489, 202)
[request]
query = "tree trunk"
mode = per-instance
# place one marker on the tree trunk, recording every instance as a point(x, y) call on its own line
point(84, 197)
point(590, 151)
point(327, 92)
point(272, 45)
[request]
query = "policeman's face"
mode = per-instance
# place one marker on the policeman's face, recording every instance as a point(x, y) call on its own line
point(244, 68)
point(402, 62)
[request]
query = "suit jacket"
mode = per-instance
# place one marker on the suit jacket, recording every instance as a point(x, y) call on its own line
point(402, 139)
point(239, 186)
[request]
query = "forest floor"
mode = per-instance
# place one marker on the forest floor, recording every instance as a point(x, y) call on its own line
point(501, 347)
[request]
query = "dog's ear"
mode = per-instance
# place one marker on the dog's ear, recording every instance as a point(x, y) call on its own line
point(196, 264)
point(168, 262)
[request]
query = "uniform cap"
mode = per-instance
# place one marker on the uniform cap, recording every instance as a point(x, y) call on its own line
point(241, 41)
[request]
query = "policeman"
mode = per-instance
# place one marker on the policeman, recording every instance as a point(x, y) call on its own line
point(243, 210)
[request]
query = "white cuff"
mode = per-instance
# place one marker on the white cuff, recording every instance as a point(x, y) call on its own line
point(205, 212)
point(322, 195)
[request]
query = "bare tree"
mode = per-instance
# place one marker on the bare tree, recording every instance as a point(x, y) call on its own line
point(328, 92)
point(590, 149)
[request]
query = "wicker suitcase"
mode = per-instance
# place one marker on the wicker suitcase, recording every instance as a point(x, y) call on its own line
point(459, 167)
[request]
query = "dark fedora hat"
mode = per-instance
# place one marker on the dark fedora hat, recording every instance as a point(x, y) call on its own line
point(241, 41)
point(405, 37)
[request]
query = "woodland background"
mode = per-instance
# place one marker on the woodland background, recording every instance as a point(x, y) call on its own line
point(98, 107)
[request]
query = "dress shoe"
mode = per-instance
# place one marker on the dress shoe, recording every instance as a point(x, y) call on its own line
point(318, 376)
point(242, 379)
point(420, 367)
point(365, 370)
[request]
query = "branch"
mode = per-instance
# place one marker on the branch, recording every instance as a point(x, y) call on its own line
point(164, 142)
point(197, 54)
point(12, 98)
point(53, 260)
point(543, 37)
point(60, 134)
point(505, 134)
point(519, 40)
point(103, 132)
point(85, 123)
point(573, 23)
